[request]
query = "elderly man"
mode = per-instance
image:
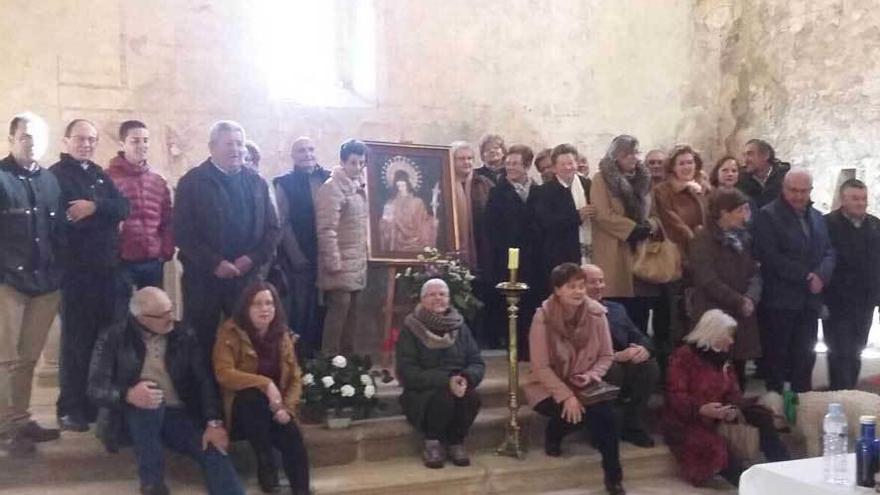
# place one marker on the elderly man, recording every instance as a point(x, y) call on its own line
point(226, 228)
point(797, 260)
point(298, 256)
point(146, 242)
point(634, 369)
point(150, 375)
point(93, 290)
point(762, 178)
point(854, 290)
point(656, 162)
point(30, 244)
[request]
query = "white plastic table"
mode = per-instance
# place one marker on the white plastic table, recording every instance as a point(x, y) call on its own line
point(800, 477)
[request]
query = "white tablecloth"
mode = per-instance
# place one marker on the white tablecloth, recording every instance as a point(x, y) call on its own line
point(800, 477)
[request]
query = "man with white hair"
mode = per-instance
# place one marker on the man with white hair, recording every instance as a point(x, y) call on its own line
point(226, 228)
point(150, 375)
point(797, 260)
point(30, 275)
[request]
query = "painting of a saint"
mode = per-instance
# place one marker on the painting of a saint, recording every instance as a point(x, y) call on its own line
point(406, 225)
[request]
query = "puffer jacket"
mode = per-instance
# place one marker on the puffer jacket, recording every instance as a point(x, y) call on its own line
point(146, 233)
point(341, 221)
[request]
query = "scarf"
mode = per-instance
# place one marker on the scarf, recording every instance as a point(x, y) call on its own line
point(585, 230)
point(465, 232)
point(522, 189)
point(435, 331)
point(714, 358)
point(632, 191)
point(564, 334)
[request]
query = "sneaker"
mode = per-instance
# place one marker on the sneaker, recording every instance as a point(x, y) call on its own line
point(638, 438)
point(18, 445)
point(71, 422)
point(458, 454)
point(433, 455)
point(39, 434)
point(157, 489)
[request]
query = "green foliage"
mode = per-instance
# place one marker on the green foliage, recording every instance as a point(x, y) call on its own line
point(339, 382)
point(433, 264)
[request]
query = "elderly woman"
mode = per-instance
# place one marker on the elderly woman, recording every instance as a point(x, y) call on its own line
point(701, 392)
point(725, 175)
point(256, 369)
point(470, 192)
point(439, 366)
point(725, 275)
point(571, 349)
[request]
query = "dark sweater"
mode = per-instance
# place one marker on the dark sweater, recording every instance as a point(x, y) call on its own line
point(239, 213)
point(856, 278)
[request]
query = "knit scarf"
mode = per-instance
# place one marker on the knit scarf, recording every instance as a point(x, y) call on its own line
point(466, 245)
point(562, 332)
point(435, 330)
point(632, 191)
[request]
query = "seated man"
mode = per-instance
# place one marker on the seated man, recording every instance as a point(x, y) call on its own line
point(150, 379)
point(634, 370)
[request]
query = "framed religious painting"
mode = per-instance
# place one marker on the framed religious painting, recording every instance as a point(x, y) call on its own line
point(410, 201)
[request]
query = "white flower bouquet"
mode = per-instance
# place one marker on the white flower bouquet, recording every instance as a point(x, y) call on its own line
point(337, 383)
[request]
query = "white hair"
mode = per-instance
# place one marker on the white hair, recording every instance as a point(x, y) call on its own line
point(429, 283)
point(461, 145)
point(713, 325)
point(225, 126)
point(143, 297)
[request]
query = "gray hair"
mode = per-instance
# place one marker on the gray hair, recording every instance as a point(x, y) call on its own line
point(143, 297)
point(461, 145)
point(225, 126)
point(713, 325)
point(431, 282)
point(621, 143)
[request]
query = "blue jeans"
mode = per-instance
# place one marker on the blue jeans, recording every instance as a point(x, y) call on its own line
point(151, 429)
point(140, 274)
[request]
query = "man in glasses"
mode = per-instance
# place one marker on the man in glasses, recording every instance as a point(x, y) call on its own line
point(92, 288)
point(150, 374)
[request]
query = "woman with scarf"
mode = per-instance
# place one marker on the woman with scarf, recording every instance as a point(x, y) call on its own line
point(702, 392)
point(471, 192)
point(256, 369)
point(621, 193)
point(571, 349)
point(725, 276)
point(439, 367)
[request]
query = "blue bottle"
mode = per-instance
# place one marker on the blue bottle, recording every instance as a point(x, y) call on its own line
point(866, 452)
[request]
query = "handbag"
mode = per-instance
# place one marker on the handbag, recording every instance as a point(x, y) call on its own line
point(657, 261)
point(596, 393)
point(743, 439)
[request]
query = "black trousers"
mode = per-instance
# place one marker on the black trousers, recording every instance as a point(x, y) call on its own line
point(449, 418)
point(207, 299)
point(252, 419)
point(304, 314)
point(599, 419)
point(91, 299)
point(788, 338)
point(846, 334)
point(636, 382)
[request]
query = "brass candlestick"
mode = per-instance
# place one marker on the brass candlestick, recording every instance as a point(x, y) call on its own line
point(512, 291)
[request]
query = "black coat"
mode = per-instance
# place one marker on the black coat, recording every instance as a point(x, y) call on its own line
point(301, 215)
point(762, 195)
point(510, 225)
point(787, 256)
point(31, 228)
point(856, 279)
point(558, 222)
point(92, 242)
point(623, 331)
point(117, 361)
point(202, 212)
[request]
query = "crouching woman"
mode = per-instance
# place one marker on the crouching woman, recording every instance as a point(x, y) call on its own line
point(702, 391)
point(439, 366)
point(256, 368)
point(571, 349)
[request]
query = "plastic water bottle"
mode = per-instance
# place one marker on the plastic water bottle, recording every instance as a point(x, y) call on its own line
point(834, 445)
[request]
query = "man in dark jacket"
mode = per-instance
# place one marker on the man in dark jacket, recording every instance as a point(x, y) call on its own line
point(762, 178)
point(797, 260)
point(225, 227)
point(634, 370)
point(854, 290)
point(298, 254)
point(492, 152)
point(151, 380)
point(30, 274)
point(92, 290)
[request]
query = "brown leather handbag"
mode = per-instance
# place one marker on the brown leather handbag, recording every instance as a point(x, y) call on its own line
point(596, 393)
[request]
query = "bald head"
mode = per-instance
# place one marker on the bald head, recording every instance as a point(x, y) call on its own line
point(303, 153)
point(595, 281)
point(796, 188)
point(152, 308)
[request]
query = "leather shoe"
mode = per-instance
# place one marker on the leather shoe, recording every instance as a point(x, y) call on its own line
point(638, 438)
point(433, 455)
point(458, 455)
point(70, 422)
point(39, 434)
point(615, 488)
point(18, 445)
point(157, 489)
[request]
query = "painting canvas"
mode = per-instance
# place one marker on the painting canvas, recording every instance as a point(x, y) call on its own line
point(409, 191)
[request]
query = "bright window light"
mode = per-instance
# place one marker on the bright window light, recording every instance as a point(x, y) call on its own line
point(317, 52)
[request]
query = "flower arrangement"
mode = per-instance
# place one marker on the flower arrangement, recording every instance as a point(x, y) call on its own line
point(339, 382)
point(448, 267)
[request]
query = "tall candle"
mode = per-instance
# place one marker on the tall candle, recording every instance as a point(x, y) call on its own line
point(513, 258)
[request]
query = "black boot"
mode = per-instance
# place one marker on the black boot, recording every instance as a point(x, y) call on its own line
point(267, 472)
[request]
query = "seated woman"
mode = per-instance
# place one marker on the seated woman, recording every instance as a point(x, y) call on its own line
point(256, 368)
point(439, 366)
point(701, 392)
point(571, 349)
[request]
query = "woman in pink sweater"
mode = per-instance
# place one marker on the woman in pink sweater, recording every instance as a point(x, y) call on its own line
point(570, 350)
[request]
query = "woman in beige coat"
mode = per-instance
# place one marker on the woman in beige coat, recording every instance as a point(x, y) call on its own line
point(341, 225)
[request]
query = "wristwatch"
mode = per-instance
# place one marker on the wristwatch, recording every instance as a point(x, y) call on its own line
point(215, 423)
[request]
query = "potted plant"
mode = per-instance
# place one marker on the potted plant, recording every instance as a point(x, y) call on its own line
point(338, 388)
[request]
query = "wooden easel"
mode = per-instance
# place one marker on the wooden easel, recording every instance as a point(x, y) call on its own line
point(387, 360)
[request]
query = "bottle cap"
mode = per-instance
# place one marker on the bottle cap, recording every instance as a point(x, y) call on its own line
point(835, 407)
point(868, 420)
